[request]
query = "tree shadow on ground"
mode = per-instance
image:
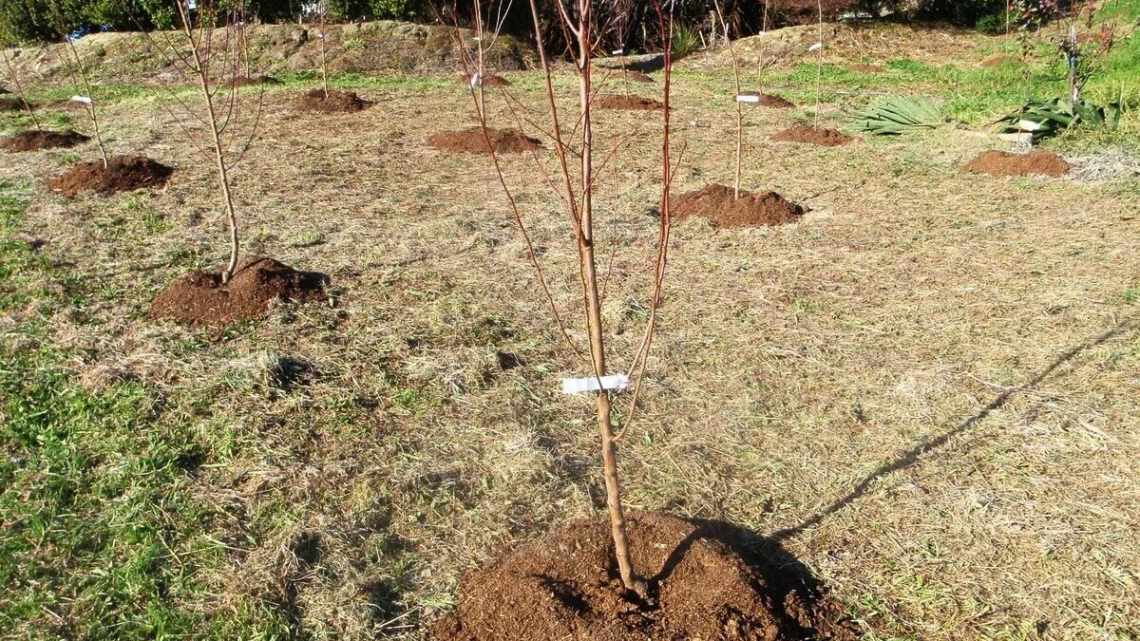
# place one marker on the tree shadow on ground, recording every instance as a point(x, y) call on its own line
point(913, 455)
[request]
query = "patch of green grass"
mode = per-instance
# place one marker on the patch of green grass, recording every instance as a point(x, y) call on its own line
point(103, 536)
point(352, 80)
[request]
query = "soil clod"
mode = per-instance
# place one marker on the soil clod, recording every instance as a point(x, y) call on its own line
point(200, 299)
point(718, 204)
point(1035, 163)
point(812, 135)
point(335, 102)
point(564, 586)
point(631, 103)
point(35, 139)
point(122, 173)
point(11, 104)
point(472, 141)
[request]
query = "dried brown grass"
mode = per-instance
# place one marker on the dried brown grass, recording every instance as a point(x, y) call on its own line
point(863, 385)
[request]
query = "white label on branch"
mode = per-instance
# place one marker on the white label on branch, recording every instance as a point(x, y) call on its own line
point(476, 80)
point(748, 97)
point(816, 47)
point(618, 52)
point(615, 382)
point(83, 99)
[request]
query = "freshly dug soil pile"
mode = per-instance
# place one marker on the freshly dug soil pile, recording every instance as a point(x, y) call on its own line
point(471, 141)
point(123, 173)
point(34, 140)
point(10, 104)
point(257, 80)
point(775, 101)
point(812, 135)
point(200, 298)
point(564, 586)
point(1035, 163)
point(635, 103)
point(490, 80)
point(716, 203)
point(337, 102)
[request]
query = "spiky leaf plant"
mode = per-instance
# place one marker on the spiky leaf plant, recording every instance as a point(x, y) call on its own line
point(1044, 118)
point(896, 115)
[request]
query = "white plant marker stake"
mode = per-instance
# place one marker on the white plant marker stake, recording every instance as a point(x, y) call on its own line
point(82, 99)
point(615, 382)
point(618, 52)
point(815, 47)
point(748, 97)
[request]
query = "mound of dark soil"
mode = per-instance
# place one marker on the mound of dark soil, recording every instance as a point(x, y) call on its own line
point(35, 139)
point(250, 81)
point(716, 203)
point(336, 102)
point(489, 80)
point(471, 141)
point(123, 173)
point(564, 586)
point(200, 298)
point(634, 103)
point(813, 135)
point(10, 104)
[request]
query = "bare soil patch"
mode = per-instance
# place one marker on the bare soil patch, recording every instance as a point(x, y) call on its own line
point(775, 101)
point(122, 173)
point(472, 141)
point(996, 60)
point(35, 140)
point(11, 104)
point(813, 136)
point(866, 68)
point(489, 80)
point(335, 102)
point(200, 299)
point(633, 103)
point(252, 81)
point(564, 586)
point(1035, 163)
point(717, 204)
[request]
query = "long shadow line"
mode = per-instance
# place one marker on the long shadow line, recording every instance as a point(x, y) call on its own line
point(912, 456)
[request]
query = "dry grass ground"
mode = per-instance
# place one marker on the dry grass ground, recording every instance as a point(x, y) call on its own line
point(926, 391)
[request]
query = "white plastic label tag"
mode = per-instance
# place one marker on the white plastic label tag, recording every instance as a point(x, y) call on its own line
point(83, 99)
point(747, 97)
point(614, 382)
point(618, 52)
point(816, 47)
point(476, 80)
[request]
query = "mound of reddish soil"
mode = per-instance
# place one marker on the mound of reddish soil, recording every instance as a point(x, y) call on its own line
point(564, 586)
point(123, 173)
point(35, 139)
point(717, 204)
point(471, 141)
point(775, 101)
point(1035, 163)
point(490, 80)
point(812, 135)
point(635, 103)
point(336, 102)
point(200, 298)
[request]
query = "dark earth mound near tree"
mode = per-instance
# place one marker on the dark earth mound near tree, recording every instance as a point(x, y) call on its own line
point(706, 581)
point(335, 102)
point(489, 80)
point(472, 141)
point(717, 204)
point(122, 173)
point(35, 139)
point(1035, 163)
point(633, 103)
point(813, 136)
point(11, 104)
point(200, 299)
point(253, 81)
